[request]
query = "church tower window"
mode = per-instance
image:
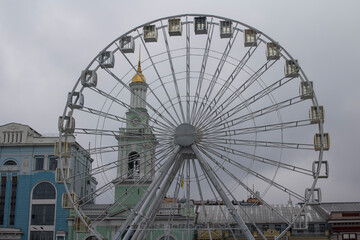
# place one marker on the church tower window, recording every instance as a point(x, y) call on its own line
point(133, 165)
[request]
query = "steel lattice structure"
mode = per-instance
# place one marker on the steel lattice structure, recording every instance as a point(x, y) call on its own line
point(206, 113)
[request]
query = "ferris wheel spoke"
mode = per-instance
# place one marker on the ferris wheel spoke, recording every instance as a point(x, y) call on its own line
point(253, 193)
point(242, 89)
point(271, 144)
point(213, 178)
point(113, 133)
point(202, 70)
point(216, 75)
point(229, 192)
point(261, 159)
point(114, 164)
point(256, 97)
point(258, 129)
point(105, 167)
point(187, 72)
point(253, 78)
point(231, 79)
point(118, 202)
point(253, 115)
point(257, 175)
point(128, 88)
point(162, 84)
point(173, 72)
point(112, 148)
point(127, 106)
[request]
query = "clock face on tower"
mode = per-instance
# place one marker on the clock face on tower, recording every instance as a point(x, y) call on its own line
point(135, 121)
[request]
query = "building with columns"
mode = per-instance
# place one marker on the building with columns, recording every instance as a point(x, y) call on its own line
point(31, 189)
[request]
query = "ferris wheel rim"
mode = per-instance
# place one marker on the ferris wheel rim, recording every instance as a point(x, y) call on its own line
point(303, 76)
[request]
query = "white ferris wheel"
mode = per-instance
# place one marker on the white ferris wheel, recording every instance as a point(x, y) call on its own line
point(191, 119)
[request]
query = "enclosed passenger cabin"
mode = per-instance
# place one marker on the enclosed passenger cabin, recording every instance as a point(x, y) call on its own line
point(107, 59)
point(65, 149)
point(127, 45)
point(315, 198)
point(250, 38)
point(66, 125)
point(59, 178)
point(175, 27)
point(66, 202)
point(272, 51)
point(306, 90)
point(316, 114)
point(324, 169)
point(200, 25)
point(226, 29)
point(75, 100)
point(150, 33)
point(79, 226)
point(318, 141)
point(89, 78)
point(291, 68)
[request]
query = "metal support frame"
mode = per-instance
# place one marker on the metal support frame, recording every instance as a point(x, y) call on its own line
point(222, 194)
point(140, 208)
point(140, 231)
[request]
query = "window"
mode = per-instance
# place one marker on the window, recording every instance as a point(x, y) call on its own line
point(166, 238)
point(41, 235)
point(10, 163)
point(2, 199)
point(13, 200)
point(349, 236)
point(39, 163)
point(350, 214)
point(52, 163)
point(311, 227)
point(322, 227)
point(91, 238)
point(44, 190)
point(42, 214)
point(265, 228)
point(133, 165)
point(278, 227)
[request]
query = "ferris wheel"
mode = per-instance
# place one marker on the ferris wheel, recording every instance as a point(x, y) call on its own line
point(191, 122)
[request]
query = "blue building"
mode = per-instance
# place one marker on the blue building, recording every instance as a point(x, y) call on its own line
point(32, 195)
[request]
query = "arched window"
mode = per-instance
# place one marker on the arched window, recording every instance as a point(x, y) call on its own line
point(42, 212)
point(44, 190)
point(91, 238)
point(166, 238)
point(10, 163)
point(133, 165)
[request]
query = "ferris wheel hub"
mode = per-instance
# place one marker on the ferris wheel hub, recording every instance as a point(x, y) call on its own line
point(185, 134)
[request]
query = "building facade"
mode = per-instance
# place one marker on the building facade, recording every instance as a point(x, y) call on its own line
point(31, 190)
point(344, 219)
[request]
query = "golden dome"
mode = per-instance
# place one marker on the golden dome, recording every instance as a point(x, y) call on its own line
point(136, 77)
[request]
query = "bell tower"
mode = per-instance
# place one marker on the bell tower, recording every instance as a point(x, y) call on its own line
point(137, 143)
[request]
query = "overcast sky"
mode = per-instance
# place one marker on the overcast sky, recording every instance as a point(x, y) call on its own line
point(45, 44)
